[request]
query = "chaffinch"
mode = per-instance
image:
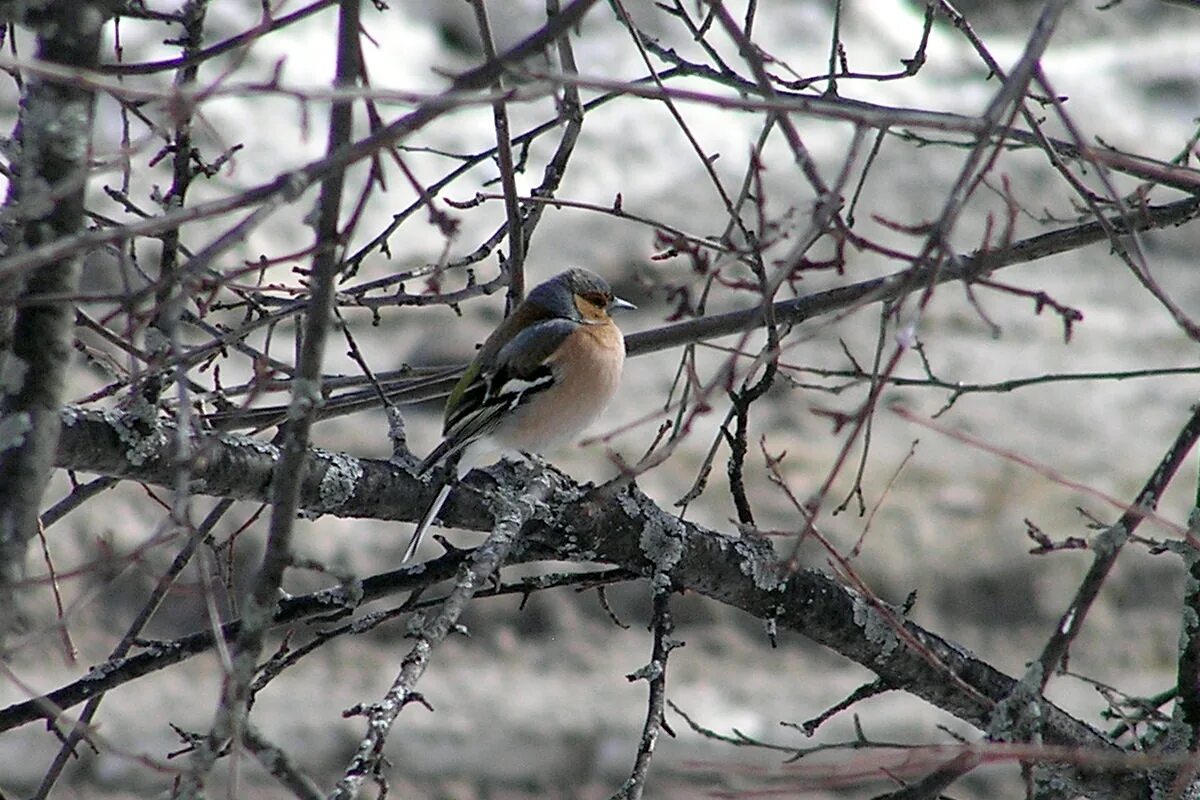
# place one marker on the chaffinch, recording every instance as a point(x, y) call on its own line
point(539, 380)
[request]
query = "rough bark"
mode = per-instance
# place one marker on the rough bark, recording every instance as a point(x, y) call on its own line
point(619, 526)
point(53, 145)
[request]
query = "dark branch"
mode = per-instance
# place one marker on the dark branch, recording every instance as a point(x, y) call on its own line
point(620, 527)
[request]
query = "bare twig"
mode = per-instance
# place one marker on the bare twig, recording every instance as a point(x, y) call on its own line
point(654, 673)
point(515, 266)
point(429, 633)
point(80, 729)
point(277, 762)
point(230, 719)
point(1107, 546)
point(965, 267)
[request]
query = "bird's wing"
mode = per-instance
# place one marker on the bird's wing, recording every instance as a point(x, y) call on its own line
point(487, 392)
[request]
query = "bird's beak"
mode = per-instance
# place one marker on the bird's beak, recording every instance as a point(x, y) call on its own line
point(618, 304)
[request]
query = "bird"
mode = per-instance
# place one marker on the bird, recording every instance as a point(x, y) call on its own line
point(542, 377)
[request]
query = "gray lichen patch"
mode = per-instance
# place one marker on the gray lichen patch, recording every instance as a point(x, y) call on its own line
point(306, 395)
point(69, 415)
point(758, 566)
point(648, 672)
point(662, 542)
point(342, 474)
point(877, 629)
point(13, 428)
point(12, 373)
point(257, 445)
point(140, 446)
point(1110, 540)
point(1018, 717)
point(347, 595)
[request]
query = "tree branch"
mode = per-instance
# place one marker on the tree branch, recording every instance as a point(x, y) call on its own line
point(54, 136)
point(230, 720)
point(622, 527)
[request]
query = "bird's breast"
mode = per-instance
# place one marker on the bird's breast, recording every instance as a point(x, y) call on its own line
point(587, 370)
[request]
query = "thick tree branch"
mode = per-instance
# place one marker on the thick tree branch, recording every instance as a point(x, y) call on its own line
point(46, 198)
point(622, 527)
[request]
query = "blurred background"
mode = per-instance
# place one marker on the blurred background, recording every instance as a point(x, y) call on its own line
point(535, 702)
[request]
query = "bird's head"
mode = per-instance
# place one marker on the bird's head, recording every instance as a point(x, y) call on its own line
point(580, 295)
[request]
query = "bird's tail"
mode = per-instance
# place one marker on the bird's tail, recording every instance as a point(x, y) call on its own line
point(427, 520)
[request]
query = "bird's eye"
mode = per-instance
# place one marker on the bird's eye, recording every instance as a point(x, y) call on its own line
point(596, 299)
